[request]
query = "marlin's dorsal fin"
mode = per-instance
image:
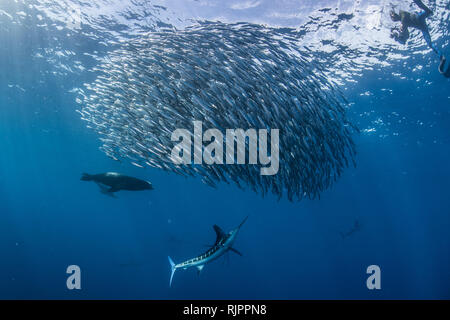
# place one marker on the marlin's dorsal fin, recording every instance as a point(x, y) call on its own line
point(219, 232)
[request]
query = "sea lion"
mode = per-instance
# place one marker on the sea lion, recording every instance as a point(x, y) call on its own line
point(116, 182)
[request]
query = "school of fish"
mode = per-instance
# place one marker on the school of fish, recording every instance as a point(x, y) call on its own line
point(227, 76)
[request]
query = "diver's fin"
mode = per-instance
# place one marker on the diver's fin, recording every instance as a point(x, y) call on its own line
point(173, 269)
point(200, 268)
point(235, 251)
point(422, 6)
point(219, 232)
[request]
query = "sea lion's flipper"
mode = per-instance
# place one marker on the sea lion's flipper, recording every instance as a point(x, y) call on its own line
point(113, 189)
point(105, 190)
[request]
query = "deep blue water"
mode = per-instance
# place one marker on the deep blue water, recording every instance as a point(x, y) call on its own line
point(49, 219)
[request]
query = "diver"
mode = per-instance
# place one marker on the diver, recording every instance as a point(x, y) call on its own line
point(417, 21)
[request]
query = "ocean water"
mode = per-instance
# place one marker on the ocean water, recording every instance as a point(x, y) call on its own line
point(398, 192)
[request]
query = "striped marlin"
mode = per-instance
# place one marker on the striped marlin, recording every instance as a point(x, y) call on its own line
point(223, 244)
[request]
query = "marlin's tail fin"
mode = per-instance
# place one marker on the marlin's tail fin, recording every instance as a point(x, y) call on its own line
point(174, 268)
point(86, 177)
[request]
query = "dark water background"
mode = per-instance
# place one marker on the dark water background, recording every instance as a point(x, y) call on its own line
point(49, 219)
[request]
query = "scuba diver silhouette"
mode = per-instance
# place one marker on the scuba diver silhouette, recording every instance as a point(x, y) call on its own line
point(412, 20)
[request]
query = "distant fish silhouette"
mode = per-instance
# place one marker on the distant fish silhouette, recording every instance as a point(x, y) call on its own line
point(356, 227)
